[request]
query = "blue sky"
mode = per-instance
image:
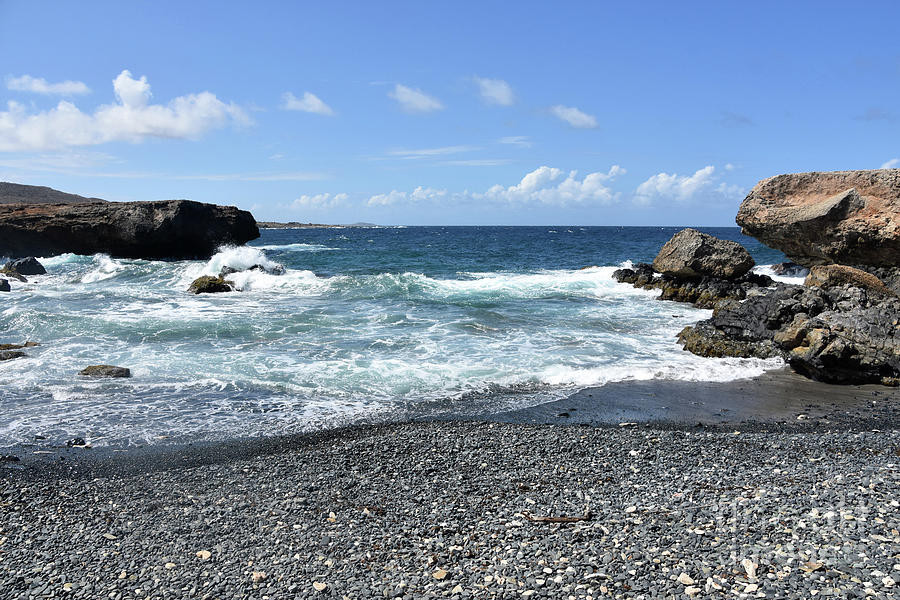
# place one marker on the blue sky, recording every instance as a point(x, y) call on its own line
point(592, 113)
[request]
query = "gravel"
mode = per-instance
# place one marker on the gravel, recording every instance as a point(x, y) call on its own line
point(459, 510)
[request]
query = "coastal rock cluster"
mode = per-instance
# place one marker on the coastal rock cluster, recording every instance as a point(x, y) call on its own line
point(843, 324)
point(43, 222)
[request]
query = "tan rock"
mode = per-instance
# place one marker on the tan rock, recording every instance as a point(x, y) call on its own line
point(826, 276)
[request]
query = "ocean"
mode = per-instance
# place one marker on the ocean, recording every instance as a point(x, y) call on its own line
point(365, 324)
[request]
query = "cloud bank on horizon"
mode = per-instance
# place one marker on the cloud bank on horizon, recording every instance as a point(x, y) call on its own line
point(441, 123)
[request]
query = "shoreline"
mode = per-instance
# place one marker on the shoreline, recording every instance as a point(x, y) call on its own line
point(778, 401)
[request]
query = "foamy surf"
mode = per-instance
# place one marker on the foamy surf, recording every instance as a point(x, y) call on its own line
point(400, 323)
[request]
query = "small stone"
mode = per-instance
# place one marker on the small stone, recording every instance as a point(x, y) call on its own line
point(691, 590)
point(750, 588)
point(888, 581)
point(204, 554)
point(685, 579)
point(258, 576)
point(457, 590)
point(110, 536)
point(170, 565)
point(749, 567)
point(631, 509)
point(319, 586)
point(440, 574)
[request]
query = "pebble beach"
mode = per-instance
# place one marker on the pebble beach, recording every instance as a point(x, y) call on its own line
point(467, 510)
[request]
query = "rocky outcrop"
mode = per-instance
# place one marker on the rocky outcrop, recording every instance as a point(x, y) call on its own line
point(25, 266)
point(693, 254)
point(836, 334)
point(698, 269)
point(169, 229)
point(828, 276)
point(842, 217)
point(207, 284)
point(105, 371)
point(4, 286)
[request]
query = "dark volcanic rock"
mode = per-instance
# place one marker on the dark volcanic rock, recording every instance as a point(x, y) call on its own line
point(25, 266)
point(10, 354)
point(843, 217)
point(790, 269)
point(838, 334)
point(207, 284)
point(176, 229)
point(276, 270)
point(4, 285)
point(692, 254)
point(703, 292)
point(105, 371)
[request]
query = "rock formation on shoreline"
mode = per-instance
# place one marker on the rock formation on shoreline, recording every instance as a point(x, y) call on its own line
point(843, 324)
point(842, 217)
point(167, 229)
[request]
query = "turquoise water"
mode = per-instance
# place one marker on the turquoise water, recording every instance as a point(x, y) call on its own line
point(365, 324)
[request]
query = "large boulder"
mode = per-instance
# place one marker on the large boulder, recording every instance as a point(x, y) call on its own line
point(843, 217)
point(4, 286)
point(25, 266)
point(693, 254)
point(167, 229)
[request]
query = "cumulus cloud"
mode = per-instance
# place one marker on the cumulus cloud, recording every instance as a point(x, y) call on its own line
point(891, 164)
point(308, 103)
point(414, 100)
point(38, 85)
point(684, 188)
point(131, 118)
point(548, 185)
point(573, 116)
point(420, 194)
point(495, 91)
point(319, 201)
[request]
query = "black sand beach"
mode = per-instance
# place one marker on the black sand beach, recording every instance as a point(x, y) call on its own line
point(755, 502)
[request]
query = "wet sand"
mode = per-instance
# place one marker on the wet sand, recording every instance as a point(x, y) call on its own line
point(777, 400)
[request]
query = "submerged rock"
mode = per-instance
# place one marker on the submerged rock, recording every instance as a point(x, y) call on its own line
point(4, 285)
point(274, 270)
point(207, 284)
point(10, 354)
point(843, 217)
point(26, 266)
point(18, 346)
point(176, 229)
point(790, 269)
point(693, 254)
point(105, 371)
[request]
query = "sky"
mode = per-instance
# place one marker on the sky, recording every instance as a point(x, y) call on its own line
point(446, 113)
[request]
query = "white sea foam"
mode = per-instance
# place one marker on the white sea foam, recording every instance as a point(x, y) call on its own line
point(767, 270)
point(106, 268)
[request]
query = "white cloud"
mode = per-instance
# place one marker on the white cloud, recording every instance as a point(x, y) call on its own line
point(414, 100)
point(319, 201)
point(891, 164)
point(544, 185)
point(522, 141)
point(38, 85)
point(495, 91)
point(684, 188)
point(541, 187)
point(309, 103)
point(415, 154)
point(132, 119)
point(574, 117)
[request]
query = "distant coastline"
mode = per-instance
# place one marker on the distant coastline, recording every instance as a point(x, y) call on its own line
point(298, 225)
